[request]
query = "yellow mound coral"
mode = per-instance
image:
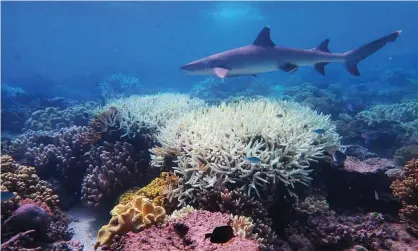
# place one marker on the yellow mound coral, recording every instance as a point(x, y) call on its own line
point(156, 190)
point(136, 215)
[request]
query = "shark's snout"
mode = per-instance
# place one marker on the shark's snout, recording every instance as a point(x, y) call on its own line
point(183, 67)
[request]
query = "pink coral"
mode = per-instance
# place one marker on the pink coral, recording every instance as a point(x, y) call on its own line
point(199, 223)
point(371, 165)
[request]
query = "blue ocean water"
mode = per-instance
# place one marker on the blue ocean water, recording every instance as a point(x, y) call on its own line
point(66, 67)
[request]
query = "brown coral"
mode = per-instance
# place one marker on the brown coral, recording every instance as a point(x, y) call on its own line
point(407, 191)
point(25, 182)
point(101, 124)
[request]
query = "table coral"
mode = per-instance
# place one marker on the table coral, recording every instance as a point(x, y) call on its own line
point(407, 190)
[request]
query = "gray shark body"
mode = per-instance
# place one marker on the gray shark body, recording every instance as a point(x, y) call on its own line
point(264, 56)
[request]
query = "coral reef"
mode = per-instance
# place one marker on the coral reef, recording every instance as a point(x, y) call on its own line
point(370, 165)
point(332, 231)
point(326, 100)
point(54, 118)
point(150, 111)
point(405, 153)
point(119, 85)
point(214, 90)
point(24, 181)
point(212, 145)
point(156, 190)
point(312, 205)
point(239, 203)
point(407, 190)
point(135, 216)
point(404, 113)
point(112, 168)
point(101, 124)
point(198, 224)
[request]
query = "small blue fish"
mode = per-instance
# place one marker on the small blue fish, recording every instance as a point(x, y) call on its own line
point(253, 160)
point(6, 195)
point(319, 131)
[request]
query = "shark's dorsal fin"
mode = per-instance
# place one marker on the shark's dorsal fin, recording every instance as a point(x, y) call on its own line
point(263, 38)
point(323, 46)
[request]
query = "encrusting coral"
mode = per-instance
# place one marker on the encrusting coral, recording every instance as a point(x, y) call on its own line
point(156, 190)
point(407, 190)
point(238, 203)
point(138, 214)
point(212, 146)
point(196, 224)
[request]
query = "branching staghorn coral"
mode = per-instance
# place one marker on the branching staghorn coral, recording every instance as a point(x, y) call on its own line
point(150, 111)
point(212, 144)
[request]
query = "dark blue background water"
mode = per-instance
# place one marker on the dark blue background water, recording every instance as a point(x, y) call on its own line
point(67, 48)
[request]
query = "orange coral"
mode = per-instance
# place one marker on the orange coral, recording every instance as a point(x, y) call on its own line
point(407, 191)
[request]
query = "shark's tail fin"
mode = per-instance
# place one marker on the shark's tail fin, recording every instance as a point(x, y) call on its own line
point(353, 57)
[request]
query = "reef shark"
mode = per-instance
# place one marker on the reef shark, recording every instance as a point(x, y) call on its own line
point(265, 56)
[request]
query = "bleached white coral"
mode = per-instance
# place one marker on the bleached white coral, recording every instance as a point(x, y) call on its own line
point(181, 213)
point(151, 111)
point(212, 145)
point(243, 226)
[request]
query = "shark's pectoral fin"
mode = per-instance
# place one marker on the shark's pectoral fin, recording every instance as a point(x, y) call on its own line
point(254, 76)
point(220, 72)
point(320, 67)
point(288, 67)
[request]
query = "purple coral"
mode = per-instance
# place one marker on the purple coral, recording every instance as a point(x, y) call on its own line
point(112, 168)
point(28, 217)
point(369, 230)
point(371, 165)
